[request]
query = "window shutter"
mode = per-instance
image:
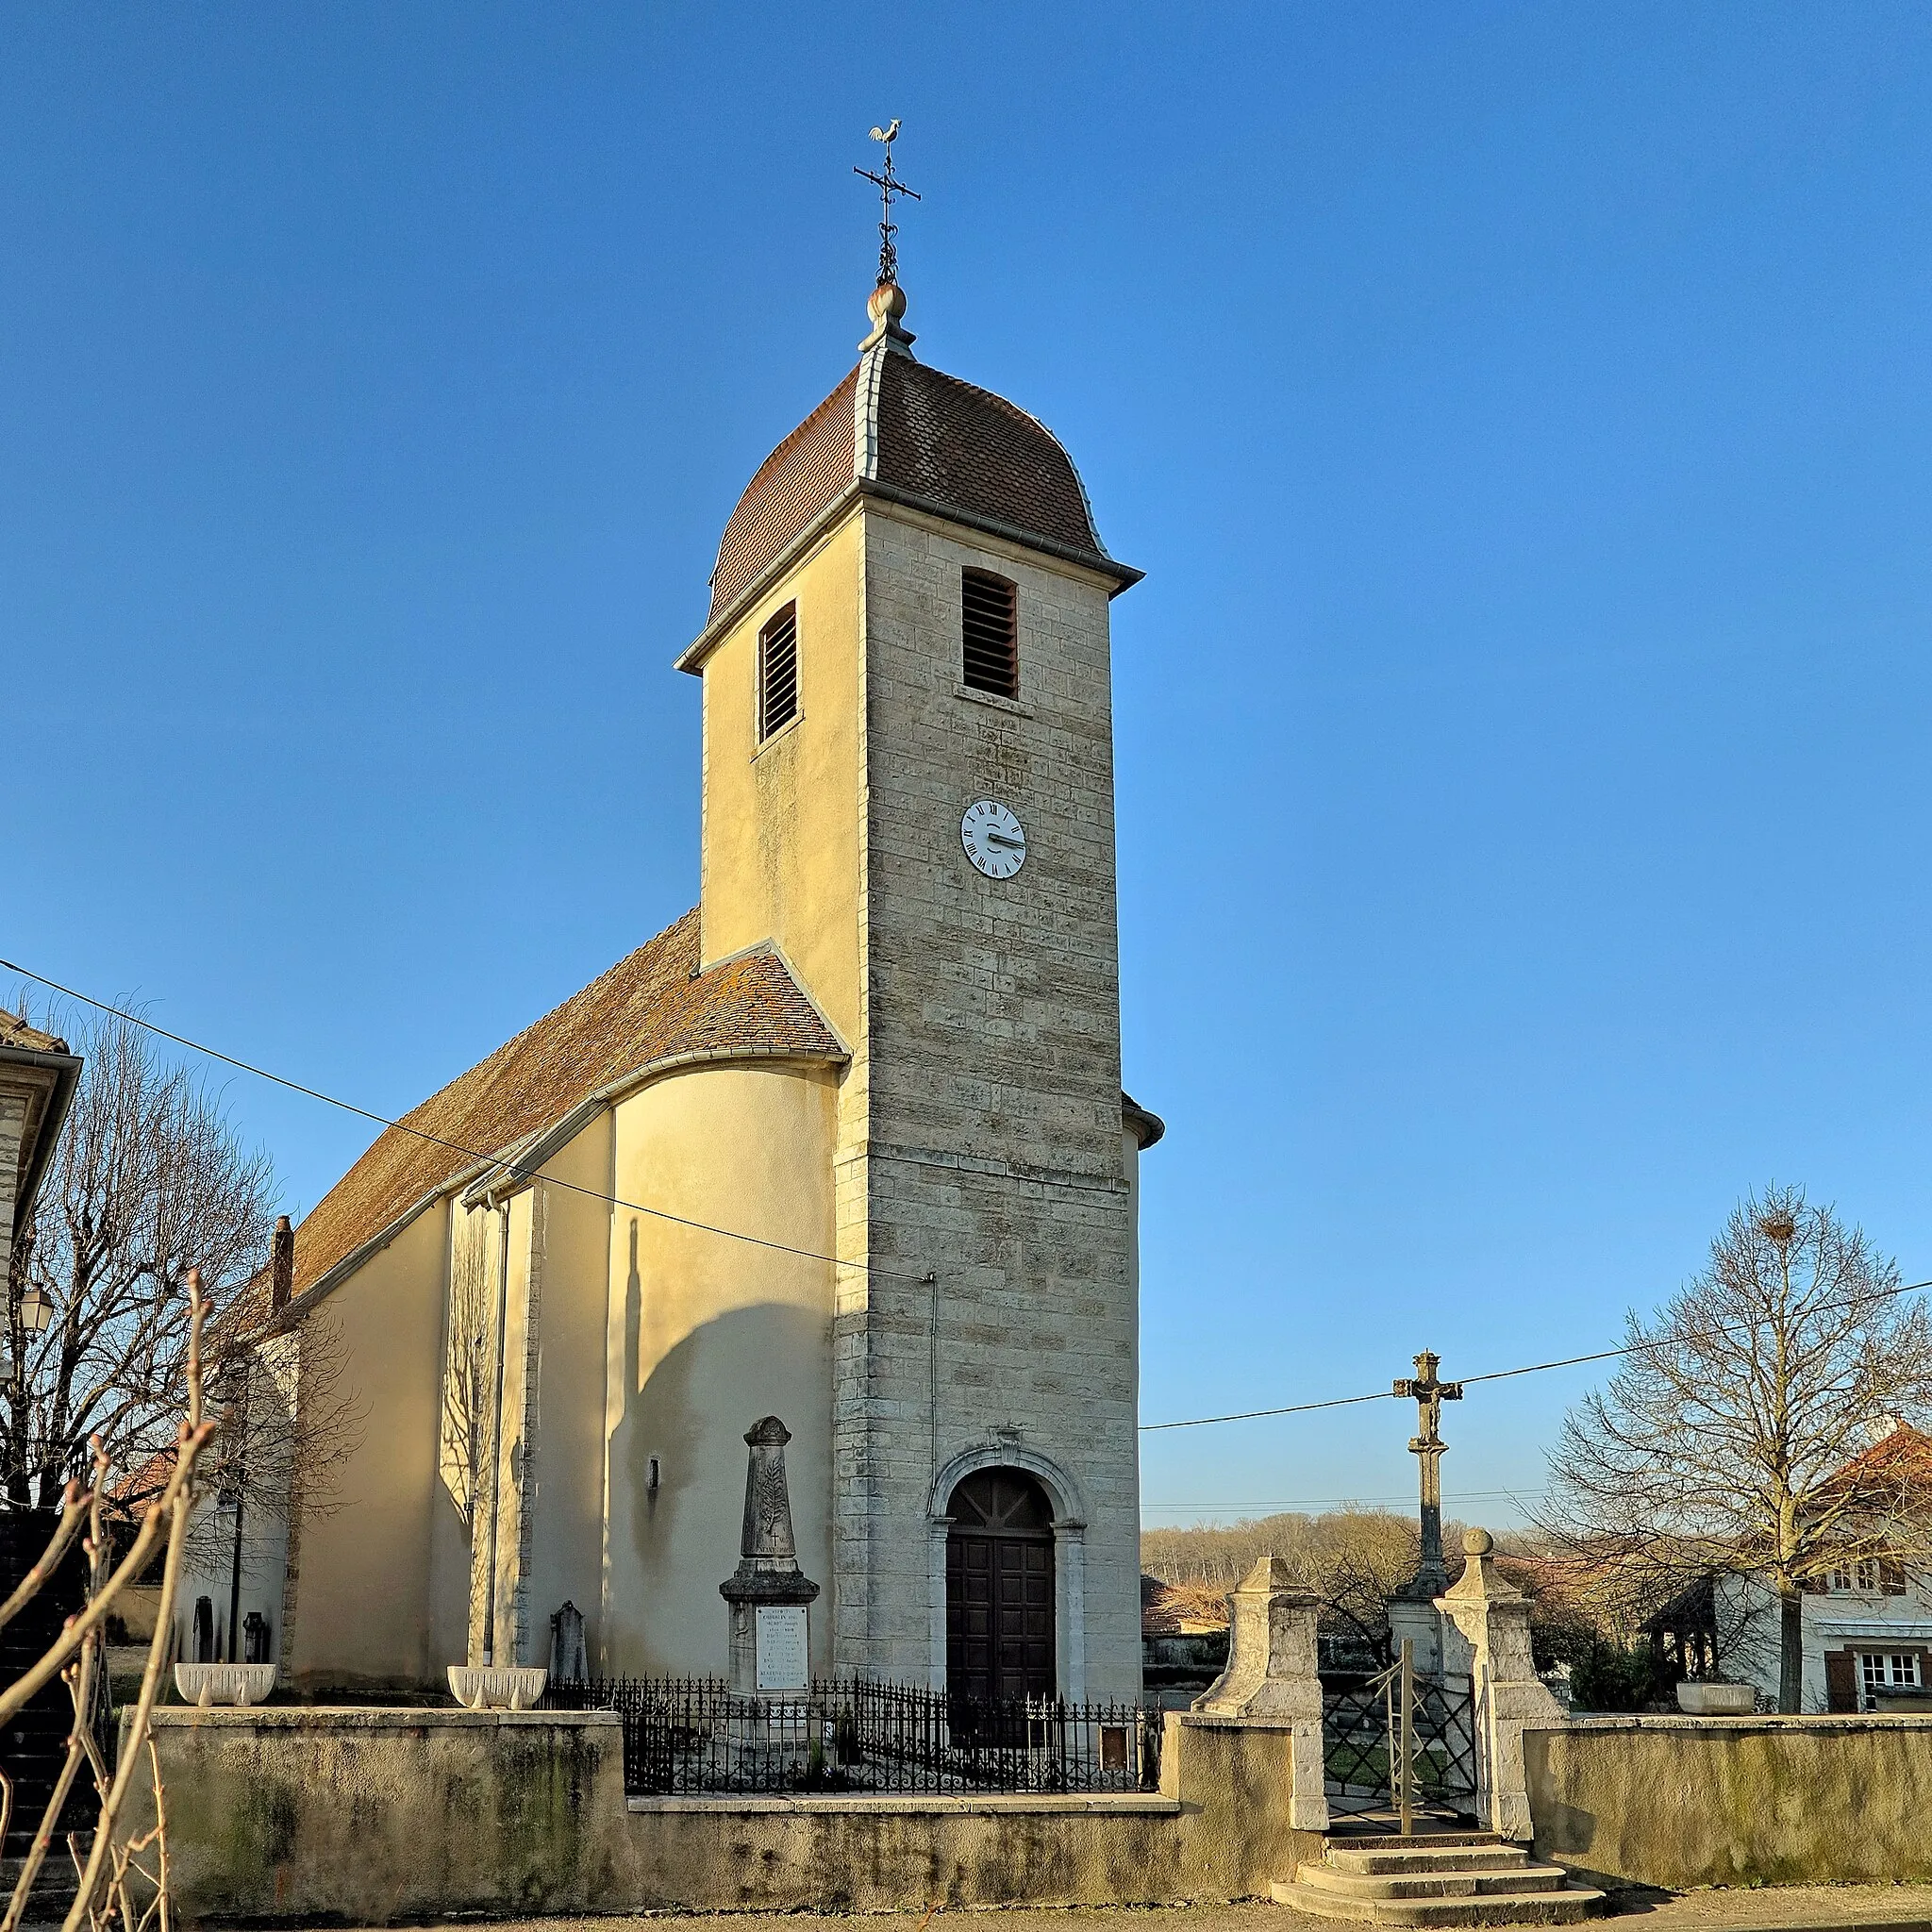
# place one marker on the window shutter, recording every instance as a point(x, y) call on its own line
point(778, 672)
point(989, 645)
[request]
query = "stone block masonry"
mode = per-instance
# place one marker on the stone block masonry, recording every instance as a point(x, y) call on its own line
point(993, 1154)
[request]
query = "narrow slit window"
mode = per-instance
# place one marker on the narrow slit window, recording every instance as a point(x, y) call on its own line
point(990, 651)
point(778, 672)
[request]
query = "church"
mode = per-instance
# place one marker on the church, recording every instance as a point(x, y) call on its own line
point(845, 1145)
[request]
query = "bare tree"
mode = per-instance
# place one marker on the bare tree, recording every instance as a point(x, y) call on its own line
point(1729, 1443)
point(148, 1181)
point(287, 1420)
point(1353, 1559)
point(122, 1878)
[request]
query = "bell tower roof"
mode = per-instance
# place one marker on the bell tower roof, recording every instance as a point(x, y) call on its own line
point(896, 429)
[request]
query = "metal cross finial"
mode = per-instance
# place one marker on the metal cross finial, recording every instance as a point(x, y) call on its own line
point(1429, 1395)
point(889, 184)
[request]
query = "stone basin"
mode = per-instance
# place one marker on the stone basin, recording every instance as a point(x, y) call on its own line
point(497, 1687)
point(206, 1684)
point(1700, 1698)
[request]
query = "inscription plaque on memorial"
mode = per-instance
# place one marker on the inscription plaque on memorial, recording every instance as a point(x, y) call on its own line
point(782, 1647)
point(768, 1592)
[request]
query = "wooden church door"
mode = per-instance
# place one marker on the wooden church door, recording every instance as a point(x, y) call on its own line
point(1000, 1587)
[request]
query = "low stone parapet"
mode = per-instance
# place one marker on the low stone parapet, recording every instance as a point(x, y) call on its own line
point(1693, 1801)
point(371, 1817)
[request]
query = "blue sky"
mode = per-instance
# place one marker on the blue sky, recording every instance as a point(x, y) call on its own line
point(1522, 413)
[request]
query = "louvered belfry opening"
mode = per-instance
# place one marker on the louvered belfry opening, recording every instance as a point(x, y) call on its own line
point(991, 647)
point(778, 672)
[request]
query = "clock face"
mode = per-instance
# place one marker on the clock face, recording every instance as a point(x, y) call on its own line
point(993, 840)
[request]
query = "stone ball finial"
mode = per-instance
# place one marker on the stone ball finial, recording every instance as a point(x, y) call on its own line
point(888, 299)
point(1477, 1542)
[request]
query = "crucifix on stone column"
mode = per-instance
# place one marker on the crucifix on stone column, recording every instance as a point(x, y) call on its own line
point(1430, 1394)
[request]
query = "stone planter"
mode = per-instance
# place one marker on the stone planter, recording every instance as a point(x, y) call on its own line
point(506, 1686)
point(1698, 1697)
point(208, 1684)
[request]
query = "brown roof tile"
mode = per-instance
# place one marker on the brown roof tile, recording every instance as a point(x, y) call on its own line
point(945, 439)
point(652, 1007)
point(895, 422)
point(798, 481)
point(1896, 1465)
point(14, 1031)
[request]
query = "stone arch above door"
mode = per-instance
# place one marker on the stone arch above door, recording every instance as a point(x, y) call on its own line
point(1069, 1527)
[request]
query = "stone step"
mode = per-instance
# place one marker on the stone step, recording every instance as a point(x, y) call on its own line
point(1440, 1884)
point(1396, 1842)
point(1569, 1907)
point(53, 1886)
point(1420, 1856)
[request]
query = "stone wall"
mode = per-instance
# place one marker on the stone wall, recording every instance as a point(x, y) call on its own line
point(1683, 1802)
point(373, 1817)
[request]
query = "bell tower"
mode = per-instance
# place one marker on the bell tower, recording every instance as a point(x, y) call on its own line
point(909, 792)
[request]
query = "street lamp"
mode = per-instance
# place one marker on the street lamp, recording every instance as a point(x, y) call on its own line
point(36, 1317)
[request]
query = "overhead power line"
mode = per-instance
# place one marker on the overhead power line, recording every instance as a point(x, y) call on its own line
point(1202, 1422)
point(1568, 1362)
point(1342, 1502)
point(381, 1120)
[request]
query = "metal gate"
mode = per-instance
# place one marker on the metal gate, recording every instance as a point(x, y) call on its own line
point(1400, 1742)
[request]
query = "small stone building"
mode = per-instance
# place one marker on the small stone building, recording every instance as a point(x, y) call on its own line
point(37, 1081)
point(847, 1144)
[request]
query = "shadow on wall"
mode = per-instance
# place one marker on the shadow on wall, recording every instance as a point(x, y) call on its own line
point(676, 1461)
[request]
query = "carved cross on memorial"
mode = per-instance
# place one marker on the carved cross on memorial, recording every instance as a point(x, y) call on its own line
point(1430, 1394)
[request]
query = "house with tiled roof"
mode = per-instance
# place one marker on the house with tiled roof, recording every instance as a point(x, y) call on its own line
point(1866, 1612)
point(845, 1146)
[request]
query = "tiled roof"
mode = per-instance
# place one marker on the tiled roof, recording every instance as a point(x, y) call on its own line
point(800, 481)
point(653, 1007)
point(1898, 1464)
point(895, 423)
point(14, 1031)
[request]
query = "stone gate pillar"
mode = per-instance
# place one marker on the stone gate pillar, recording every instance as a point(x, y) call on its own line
point(1270, 1677)
point(1490, 1616)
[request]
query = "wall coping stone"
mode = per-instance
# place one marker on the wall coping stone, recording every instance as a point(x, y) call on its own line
point(1144, 1804)
point(364, 1717)
point(1221, 1721)
point(1763, 1722)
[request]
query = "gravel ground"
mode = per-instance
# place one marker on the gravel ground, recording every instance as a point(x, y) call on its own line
point(1841, 1908)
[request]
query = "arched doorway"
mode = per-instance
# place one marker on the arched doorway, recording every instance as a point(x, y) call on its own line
point(1000, 1638)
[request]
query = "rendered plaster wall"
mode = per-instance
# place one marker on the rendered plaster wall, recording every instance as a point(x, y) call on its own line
point(782, 820)
point(707, 1336)
point(369, 1817)
point(372, 1548)
point(365, 1817)
point(13, 1107)
point(564, 1551)
point(1683, 1802)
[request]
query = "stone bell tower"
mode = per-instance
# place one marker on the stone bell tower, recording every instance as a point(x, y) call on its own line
point(908, 789)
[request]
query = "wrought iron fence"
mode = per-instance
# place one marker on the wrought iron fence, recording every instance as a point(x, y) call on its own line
point(1362, 1742)
point(695, 1735)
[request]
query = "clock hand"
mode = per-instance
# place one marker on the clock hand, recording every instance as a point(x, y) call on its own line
point(1001, 838)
